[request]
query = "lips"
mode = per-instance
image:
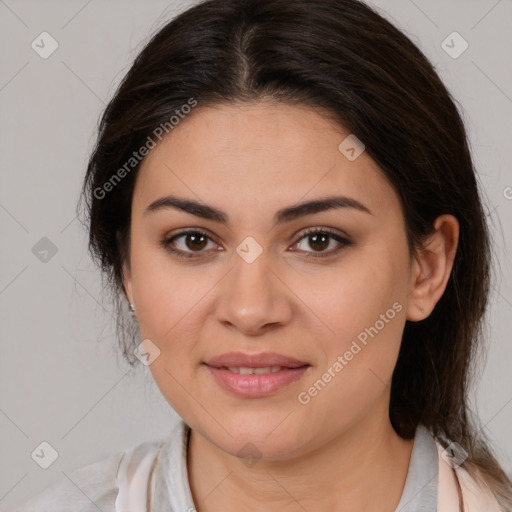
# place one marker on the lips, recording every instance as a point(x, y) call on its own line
point(255, 375)
point(262, 360)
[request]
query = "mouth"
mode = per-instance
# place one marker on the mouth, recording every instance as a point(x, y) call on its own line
point(255, 375)
point(245, 370)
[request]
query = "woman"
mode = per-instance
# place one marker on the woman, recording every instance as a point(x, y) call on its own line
point(284, 194)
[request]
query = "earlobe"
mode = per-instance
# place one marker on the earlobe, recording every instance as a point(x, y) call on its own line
point(432, 267)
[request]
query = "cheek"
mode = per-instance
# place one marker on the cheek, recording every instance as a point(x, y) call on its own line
point(171, 306)
point(356, 378)
point(165, 293)
point(365, 308)
point(365, 294)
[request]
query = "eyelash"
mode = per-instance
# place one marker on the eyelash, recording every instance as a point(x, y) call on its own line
point(196, 231)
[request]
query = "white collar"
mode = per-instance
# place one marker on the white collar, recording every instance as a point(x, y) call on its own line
point(170, 489)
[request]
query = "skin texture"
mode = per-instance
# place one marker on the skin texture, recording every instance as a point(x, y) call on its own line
point(338, 451)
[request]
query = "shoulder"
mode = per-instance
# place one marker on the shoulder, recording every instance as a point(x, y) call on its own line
point(90, 487)
point(476, 494)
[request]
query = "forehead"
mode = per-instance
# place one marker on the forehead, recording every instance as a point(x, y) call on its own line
point(255, 157)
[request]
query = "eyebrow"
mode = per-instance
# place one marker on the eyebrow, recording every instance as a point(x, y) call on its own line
point(284, 215)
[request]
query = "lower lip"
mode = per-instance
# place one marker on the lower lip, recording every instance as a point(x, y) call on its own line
point(255, 386)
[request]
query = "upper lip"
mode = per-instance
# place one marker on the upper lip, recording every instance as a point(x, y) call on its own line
point(262, 360)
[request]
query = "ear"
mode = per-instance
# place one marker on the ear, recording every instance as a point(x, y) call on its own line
point(432, 267)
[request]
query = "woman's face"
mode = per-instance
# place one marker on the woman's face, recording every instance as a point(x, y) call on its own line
point(253, 281)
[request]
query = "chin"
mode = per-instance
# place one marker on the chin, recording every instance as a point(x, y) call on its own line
point(247, 448)
point(255, 439)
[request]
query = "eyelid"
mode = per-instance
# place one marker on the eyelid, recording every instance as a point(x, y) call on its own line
point(322, 229)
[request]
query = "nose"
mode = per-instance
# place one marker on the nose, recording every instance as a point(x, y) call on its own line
point(254, 298)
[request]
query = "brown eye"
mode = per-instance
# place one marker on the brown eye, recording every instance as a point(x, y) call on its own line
point(195, 241)
point(319, 240)
point(187, 243)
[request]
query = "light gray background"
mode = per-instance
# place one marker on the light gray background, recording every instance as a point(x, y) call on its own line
point(60, 380)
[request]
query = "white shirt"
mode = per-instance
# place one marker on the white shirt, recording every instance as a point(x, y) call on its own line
point(153, 477)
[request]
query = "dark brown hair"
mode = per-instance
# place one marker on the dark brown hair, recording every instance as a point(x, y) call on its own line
point(343, 58)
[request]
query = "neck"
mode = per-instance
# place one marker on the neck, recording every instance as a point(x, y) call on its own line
point(364, 468)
